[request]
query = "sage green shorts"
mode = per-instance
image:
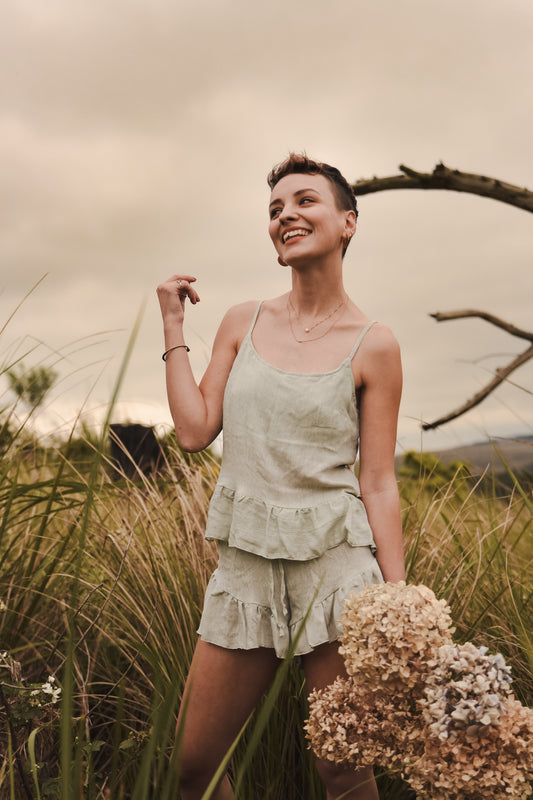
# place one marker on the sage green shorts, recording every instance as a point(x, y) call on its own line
point(253, 601)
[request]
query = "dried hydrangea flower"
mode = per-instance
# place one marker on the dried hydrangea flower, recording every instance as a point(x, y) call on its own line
point(390, 631)
point(496, 763)
point(354, 728)
point(465, 691)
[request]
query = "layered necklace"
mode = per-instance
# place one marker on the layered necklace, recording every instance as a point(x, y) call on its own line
point(291, 310)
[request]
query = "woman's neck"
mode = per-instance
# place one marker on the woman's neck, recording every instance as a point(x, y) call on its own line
point(314, 293)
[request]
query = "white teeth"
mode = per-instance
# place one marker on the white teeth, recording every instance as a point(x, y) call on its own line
point(296, 232)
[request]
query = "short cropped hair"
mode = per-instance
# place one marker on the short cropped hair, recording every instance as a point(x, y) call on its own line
point(299, 162)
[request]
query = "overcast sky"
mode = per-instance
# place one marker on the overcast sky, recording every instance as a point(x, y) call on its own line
point(135, 139)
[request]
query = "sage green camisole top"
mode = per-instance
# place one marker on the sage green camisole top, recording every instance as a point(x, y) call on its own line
point(287, 487)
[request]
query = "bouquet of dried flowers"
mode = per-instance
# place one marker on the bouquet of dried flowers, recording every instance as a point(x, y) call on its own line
point(441, 714)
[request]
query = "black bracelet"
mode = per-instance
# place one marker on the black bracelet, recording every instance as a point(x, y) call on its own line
point(165, 354)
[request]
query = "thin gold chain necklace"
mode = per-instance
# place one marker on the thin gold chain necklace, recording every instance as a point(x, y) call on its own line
point(316, 324)
point(320, 321)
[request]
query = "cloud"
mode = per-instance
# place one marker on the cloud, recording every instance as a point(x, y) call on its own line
point(135, 138)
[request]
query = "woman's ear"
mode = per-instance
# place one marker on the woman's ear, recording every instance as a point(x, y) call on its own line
point(351, 224)
point(349, 230)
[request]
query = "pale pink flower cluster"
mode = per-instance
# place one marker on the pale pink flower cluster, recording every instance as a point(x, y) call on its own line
point(390, 631)
point(439, 713)
point(356, 729)
point(497, 765)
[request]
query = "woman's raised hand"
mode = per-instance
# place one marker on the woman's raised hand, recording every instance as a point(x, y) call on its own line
point(172, 295)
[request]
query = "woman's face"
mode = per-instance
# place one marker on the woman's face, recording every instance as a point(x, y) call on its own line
point(305, 221)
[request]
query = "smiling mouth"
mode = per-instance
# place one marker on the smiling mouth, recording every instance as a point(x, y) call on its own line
point(292, 234)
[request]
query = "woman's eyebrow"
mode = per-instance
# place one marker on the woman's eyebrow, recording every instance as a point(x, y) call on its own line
point(296, 194)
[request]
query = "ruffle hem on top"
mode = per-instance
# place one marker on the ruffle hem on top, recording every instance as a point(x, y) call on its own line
point(296, 534)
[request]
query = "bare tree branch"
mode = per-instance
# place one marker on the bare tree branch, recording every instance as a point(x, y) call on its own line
point(444, 316)
point(501, 374)
point(454, 180)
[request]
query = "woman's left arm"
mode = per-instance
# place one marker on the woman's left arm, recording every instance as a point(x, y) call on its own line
point(380, 381)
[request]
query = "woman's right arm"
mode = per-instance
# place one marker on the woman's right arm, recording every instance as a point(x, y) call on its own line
point(197, 409)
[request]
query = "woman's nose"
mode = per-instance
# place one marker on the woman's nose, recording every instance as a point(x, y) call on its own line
point(288, 212)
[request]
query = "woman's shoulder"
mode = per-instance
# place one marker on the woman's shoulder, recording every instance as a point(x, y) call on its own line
point(236, 323)
point(381, 339)
point(244, 313)
point(377, 338)
point(380, 357)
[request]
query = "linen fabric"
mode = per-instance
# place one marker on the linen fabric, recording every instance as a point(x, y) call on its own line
point(252, 601)
point(287, 487)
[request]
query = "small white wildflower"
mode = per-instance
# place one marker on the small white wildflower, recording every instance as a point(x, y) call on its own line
point(49, 689)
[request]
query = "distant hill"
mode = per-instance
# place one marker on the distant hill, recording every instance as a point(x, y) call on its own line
point(517, 453)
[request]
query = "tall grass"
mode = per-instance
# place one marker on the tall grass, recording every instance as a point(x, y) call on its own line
point(102, 579)
point(475, 548)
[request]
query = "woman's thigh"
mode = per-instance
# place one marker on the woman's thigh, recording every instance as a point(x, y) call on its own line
point(322, 666)
point(222, 689)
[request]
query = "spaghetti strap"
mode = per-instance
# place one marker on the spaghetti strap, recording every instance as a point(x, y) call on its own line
point(252, 326)
point(360, 338)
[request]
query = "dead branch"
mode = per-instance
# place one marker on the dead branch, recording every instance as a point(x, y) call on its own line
point(501, 373)
point(444, 316)
point(454, 180)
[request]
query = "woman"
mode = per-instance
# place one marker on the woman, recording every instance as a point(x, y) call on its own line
point(302, 380)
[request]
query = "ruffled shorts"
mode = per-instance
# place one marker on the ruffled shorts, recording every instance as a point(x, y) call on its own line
point(253, 601)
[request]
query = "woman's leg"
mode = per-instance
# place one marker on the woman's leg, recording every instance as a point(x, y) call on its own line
point(223, 688)
point(322, 666)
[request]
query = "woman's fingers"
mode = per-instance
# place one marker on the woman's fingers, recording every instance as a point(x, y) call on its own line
point(173, 294)
point(180, 286)
point(185, 289)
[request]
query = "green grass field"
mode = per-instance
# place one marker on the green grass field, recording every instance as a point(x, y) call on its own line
point(101, 586)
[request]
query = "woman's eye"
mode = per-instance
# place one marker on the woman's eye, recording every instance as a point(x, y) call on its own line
point(274, 213)
point(306, 200)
